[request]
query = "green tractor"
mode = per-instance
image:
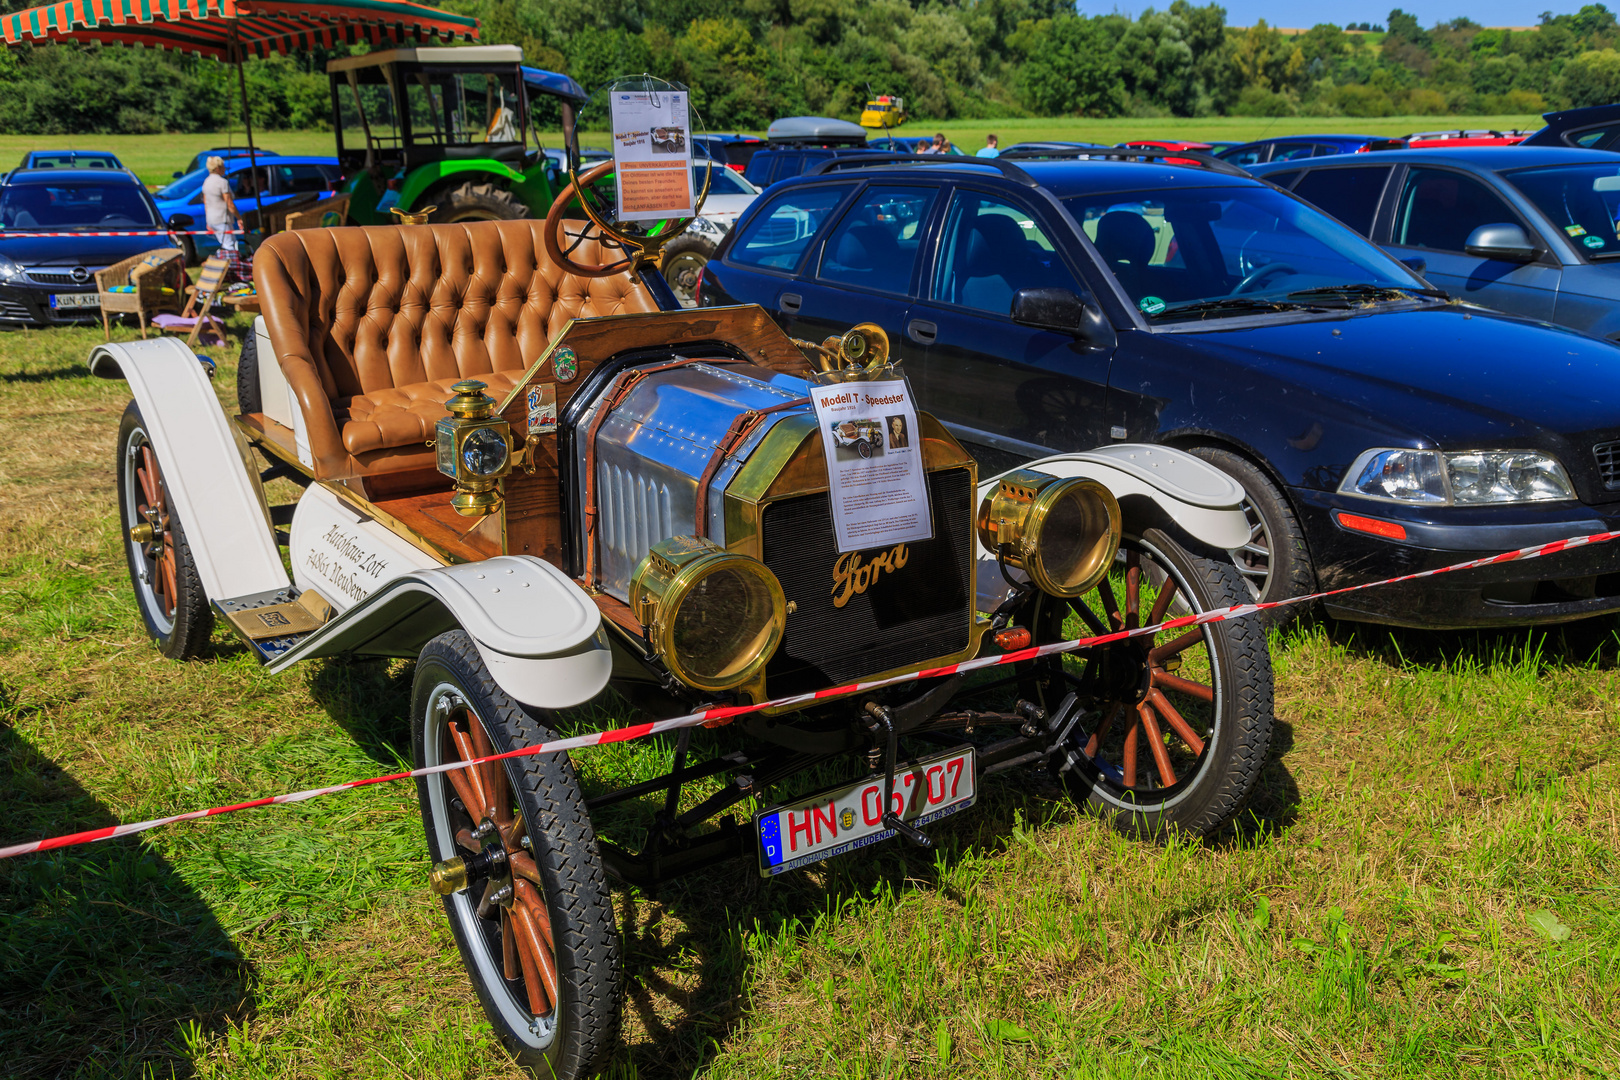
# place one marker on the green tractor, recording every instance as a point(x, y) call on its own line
point(448, 128)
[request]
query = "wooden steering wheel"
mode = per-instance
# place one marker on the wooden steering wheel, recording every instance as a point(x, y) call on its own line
point(638, 250)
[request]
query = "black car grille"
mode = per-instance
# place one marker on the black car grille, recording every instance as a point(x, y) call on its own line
point(1608, 462)
point(54, 277)
point(918, 612)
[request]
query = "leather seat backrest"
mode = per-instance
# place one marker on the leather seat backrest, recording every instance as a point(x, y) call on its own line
point(391, 306)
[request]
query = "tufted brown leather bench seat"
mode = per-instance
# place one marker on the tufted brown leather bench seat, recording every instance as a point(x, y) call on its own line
point(371, 326)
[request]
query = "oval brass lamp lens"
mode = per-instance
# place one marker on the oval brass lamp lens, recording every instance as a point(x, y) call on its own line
point(1076, 541)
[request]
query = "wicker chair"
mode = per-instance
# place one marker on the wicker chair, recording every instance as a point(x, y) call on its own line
point(142, 285)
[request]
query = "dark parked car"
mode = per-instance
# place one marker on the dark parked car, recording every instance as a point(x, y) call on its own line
point(51, 279)
point(1291, 147)
point(796, 144)
point(1593, 128)
point(70, 159)
point(732, 151)
point(1376, 427)
point(1526, 230)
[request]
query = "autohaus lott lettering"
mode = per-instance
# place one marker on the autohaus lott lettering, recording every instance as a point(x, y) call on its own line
point(851, 576)
point(350, 568)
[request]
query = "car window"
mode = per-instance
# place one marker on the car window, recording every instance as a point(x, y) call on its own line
point(1595, 138)
point(1248, 244)
point(1288, 151)
point(722, 181)
point(990, 250)
point(74, 206)
point(777, 236)
point(1582, 200)
point(1351, 195)
point(1243, 156)
point(293, 179)
point(1282, 179)
point(875, 245)
point(1439, 209)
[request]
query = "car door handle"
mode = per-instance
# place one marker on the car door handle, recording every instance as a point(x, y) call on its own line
point(922, 331)
point(791, 303)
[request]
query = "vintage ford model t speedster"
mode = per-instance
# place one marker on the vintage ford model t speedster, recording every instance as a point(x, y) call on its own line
point(519, 472)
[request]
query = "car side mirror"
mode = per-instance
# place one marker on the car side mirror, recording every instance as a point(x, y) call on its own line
point(178, 175)
point(180, 221)
point(1062, 311)
point(1500, 241)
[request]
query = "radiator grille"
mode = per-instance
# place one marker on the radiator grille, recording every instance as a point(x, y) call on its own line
point(916, 613)
point(1608, 461)
point(54, 277)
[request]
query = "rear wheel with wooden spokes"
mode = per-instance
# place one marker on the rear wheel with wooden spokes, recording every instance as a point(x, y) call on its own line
point(1176, 726)
point(170, 596)
point(534, 920)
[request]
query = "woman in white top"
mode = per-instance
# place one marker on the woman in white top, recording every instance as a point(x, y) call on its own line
point(219, 206)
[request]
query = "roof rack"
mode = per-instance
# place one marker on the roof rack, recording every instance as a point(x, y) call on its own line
point(1006, 168)
point(1126, 153)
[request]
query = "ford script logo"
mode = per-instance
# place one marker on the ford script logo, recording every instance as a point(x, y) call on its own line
point(80, 274)
point(851, 577)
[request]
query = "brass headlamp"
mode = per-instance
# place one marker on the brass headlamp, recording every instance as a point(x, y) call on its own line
point(474, 449)
point(714, 617)
point(1063, 533)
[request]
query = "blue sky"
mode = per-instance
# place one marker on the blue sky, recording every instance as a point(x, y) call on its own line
point(1429, 12)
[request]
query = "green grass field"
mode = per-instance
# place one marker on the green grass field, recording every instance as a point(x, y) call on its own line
point(155, 157)
point(1425, 885)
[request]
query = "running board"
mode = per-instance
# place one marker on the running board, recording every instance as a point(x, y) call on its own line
point(272, 622)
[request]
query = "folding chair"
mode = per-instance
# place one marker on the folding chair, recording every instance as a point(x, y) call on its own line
point(198, 308)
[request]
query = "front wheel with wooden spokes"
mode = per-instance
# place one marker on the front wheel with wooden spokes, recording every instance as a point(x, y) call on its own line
point(1175, 726)
point(171, 599)
point(533, 917)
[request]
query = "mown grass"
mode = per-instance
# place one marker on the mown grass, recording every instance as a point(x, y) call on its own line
point(154, 158)
point(1425, 885)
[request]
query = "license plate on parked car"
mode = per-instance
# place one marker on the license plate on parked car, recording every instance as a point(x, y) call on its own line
point(845, 818)
point(75, 300)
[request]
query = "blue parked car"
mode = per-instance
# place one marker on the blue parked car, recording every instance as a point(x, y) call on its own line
point(200, 160)
point(1377, 428)
point(1292, 147)
point(276, 181)
point(70, 159)
point(1524, 229)
point(46, 280)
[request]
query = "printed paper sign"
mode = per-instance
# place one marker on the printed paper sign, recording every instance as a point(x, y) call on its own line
point(875, 472)
point(652, 155)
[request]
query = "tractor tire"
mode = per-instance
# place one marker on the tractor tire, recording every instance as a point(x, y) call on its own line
point(475, 201)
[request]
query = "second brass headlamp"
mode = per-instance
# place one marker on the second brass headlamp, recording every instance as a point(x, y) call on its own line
point(474, 448)
point(1062, 532)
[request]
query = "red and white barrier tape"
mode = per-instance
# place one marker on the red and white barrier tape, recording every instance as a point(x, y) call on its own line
point(728, 712)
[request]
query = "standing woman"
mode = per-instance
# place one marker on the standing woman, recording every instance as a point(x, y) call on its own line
point(220, 207)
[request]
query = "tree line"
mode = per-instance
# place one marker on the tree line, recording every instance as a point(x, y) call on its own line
point(750, 61)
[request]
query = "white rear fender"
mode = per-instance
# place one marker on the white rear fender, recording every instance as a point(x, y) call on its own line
point(205, 473)
point(1152, 483)
point(539, 634)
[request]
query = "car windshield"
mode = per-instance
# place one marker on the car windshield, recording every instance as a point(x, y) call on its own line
point(183, 188)
point(1202, 251)
point(723, 181)
point(1583, 200)
point(74, 206)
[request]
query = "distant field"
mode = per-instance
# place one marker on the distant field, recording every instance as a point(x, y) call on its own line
point(155, 157)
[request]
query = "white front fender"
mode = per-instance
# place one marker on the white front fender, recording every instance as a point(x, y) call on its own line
point(232, 543)
point(539, 634)
point(1150, 482)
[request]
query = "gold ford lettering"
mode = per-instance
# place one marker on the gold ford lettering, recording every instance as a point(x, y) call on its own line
point(851, 576)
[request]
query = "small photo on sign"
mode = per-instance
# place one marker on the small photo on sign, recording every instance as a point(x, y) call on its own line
point(899, 437)
point(669, 140)
point(856, 439)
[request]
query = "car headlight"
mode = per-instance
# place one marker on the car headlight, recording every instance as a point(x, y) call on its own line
point(1458, 478)
point(714, 617)
point(484, 452)
point(9, 269)
point(1063, 533)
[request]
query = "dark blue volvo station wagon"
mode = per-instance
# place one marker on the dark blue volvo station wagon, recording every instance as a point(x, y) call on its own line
point(1067, 299)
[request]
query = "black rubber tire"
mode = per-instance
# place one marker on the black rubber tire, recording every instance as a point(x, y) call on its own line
point(684, 259)
point(585, 1028)
point(1276, 537)
point(185, 635)
point(248, 396)
point(475, 201)
point(1238, 736)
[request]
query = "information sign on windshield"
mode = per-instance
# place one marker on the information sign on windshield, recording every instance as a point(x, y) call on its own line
point(652, 154)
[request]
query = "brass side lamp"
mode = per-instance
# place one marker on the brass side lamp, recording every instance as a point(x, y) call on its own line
point(474, 448)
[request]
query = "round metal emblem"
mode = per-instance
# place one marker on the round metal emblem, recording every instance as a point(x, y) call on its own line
point(80, 274)
point(846, 820)
point(565, 364)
